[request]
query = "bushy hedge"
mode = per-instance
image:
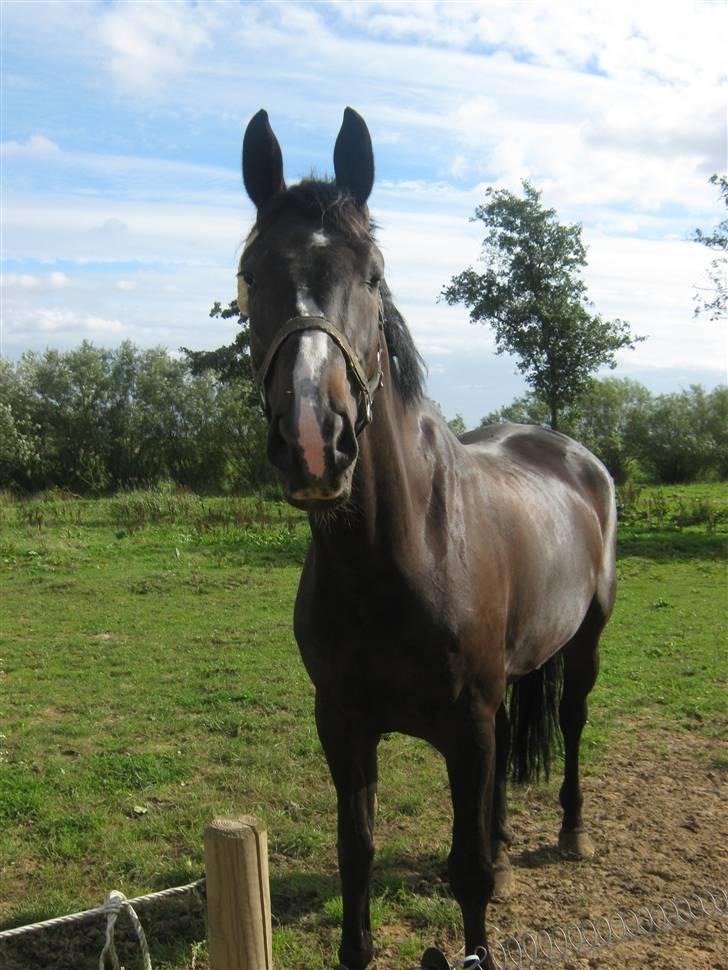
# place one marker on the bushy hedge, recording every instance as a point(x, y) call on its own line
point(665, 439)
point(95, 420)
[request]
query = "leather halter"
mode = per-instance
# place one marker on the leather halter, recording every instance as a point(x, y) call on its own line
point(367, 387)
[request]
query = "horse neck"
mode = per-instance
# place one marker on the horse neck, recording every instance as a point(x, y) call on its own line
point(391, 484)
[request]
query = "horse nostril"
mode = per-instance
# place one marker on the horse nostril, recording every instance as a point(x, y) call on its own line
point(279, 445)
point(346, 447)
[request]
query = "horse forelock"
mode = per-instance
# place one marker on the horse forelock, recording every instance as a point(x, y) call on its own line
point(323, 200)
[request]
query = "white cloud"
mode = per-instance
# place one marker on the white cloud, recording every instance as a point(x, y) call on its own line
point(672, 40)
point(29, 281)
point(614, 109)
point(23, 281)
point(37, 146)
point(56, 321)
point(92, 229)
point(151, 43)
point(651, 283)
point(111, 227)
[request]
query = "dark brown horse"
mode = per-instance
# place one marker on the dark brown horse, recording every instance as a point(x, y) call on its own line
point(441, 571)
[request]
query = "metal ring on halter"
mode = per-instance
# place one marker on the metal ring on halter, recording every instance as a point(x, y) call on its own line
point(367, 387)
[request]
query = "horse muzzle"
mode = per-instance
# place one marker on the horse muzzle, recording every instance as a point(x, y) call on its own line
point(314, 448)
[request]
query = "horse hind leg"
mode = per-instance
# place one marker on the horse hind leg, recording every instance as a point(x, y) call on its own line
point(581, 665)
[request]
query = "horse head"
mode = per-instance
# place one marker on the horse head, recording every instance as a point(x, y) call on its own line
point(309, 282)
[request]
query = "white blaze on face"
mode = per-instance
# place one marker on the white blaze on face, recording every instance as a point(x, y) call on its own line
point(319, 239)
point(309, 367)
point(305, 305)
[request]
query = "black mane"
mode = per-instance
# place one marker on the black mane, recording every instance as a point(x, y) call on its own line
point(408, 366)
point(323, 199)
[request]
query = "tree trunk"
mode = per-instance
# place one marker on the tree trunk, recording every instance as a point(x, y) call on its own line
point(554, 417)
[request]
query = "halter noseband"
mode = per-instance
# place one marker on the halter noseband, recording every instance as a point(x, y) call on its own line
point(367, 387)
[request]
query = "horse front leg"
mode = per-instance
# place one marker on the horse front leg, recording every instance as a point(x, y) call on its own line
point(501, 835)
point(352, 757)
point(471, 758)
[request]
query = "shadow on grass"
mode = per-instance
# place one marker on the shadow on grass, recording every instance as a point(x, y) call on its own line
point(171, 927)
point(671, 545)
point(296, 894)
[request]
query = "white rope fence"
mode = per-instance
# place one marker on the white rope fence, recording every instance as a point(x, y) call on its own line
point(111, 905)
point(115, 902)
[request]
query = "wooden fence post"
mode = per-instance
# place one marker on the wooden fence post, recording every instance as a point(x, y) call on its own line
point(238, 895)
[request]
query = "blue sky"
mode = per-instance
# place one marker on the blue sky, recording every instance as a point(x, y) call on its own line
point(123, 210)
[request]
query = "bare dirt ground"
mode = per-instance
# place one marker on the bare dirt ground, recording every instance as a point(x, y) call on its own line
point(658, 816)
point(657, 813)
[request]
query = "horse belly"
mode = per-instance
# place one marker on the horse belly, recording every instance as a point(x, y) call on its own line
point(547, 613)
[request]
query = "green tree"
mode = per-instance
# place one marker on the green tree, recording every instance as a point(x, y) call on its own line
point(533, 297)
point(92, 420)
point(232, 365)
point(69, 394)
point(716, 303)
point(609, 418)
point(527, 409)
point(18, 433)
point(682, 438)
point(677, 437)
point(457, 425)
point(231, 362)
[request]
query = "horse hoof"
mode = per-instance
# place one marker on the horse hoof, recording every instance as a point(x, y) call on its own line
point(504, 882)
point(576, 845)
point(502, 872)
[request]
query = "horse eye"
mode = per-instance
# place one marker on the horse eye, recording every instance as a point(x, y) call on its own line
point(374, 281)
point(248, 277)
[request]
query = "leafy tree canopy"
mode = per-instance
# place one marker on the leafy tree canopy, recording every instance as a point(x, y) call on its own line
point(714, 299)
point(532, 295)
point(232, 362)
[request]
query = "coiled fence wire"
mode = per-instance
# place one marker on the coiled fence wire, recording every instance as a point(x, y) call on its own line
point(540, 947)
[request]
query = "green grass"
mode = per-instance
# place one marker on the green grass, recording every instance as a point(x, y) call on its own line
point(149, 681)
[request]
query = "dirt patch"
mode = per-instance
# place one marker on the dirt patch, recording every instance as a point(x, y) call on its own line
point(657, 814)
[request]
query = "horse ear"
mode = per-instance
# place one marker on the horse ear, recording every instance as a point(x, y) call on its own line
point(262, 160)
point(354, 158)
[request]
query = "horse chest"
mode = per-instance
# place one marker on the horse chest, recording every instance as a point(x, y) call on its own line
point(393, 660)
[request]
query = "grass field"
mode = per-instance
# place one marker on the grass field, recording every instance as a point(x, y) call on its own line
point(149, 681)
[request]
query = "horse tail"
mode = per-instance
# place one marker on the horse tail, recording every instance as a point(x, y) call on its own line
point(534, 720)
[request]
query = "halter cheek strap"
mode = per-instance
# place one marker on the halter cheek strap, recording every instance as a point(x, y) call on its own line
point(367, 387)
